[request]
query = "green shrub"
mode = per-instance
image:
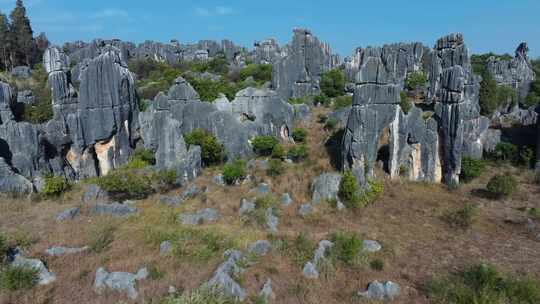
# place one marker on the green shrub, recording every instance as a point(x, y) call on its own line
point(234, 172)
point(299, 135)
point(261, 73)
point(54, 185)
point(405, 102)
point(322, 100)
point(126, 184)
point(4, 247)
point(193, 245)
point(298, 153)
point(482, 284)
point(275, 167)
point(263, 145)
point(209, 89)
point(322, 118)
point(506, 151)
point(333, 83)
point(471, 168)
point(144, 155)
point(349, 191)
point(488, 94)
point(533, 97)
point(463, 217)
point(377, 265)
point(212, 152)
point(41, 110)
point(101, 237)
point(526, 156)
point(297, 101)
point(265, 202)
point(278, 152)
point(534, 213)
point(415, 79)
point(14, 278)
point(502, 185)
point(343, 102)
point(330, 124)
point(347, 246)
point(300, 249)
point(165, 180)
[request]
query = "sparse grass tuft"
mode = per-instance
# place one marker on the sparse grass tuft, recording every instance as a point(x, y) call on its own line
point(299, 250)
point(347, 247)
point(377, 265)
point(14, 278)
point(203, 295)
point(463, 217)
point(483, 284)
point(101, 237)
point(193, 245)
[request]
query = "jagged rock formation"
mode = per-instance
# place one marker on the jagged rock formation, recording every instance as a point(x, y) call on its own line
point(399, 58)
point(299, 72)
point(266, 51)
point(538, 145)
point(426, 148)
point(516, 73)
point(253, 112)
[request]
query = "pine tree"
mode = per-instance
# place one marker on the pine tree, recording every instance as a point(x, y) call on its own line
point(22, 35)
point(4, 41)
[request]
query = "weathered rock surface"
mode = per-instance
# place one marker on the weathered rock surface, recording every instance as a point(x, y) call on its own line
point(246, 206)
point(68, 214)
point(114, 209)
point(119, 281)
point(298, 73)
point(200, 217)
point(310, 270)
point(165, 247)
point(325, 187)
point(305, 210)
point(223, 276)
point(286, 199)
point(22, 72)
point(60, 251)
point(272, 221)
point(381, 291)
point(260, 247)
point(516, 73)
point(267, 293)
point(44, 275)
point(430, 148)
point(371, 246)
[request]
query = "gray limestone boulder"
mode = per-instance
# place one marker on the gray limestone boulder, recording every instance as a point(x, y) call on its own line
point(246, 207)
point(165, 247)
point(170, 200)
point(262, 189)
point(286, 199)
point(119, 281)
point(114, 209)
point(68, 214)
point(25, 97)
point(272, 221)
point(325, 187)
point(223, 277)
point(267, 293)
point(93, 193)
point(310, 270)
point(305, 210)
point(198, 218)
point(7, 100)
point(45, 277)
point(60, 251)
point(381, 291)
point(371, 246)
point(260, 247)
point(11, 182)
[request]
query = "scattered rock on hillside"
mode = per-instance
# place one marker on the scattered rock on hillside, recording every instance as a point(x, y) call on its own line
point(190, 193)
point(305, 210)
point(260, 247)
point(44, 275)
point(261, 189)
point(165, 247)
point(94, 193)
point(371, 246)
point(199, 217)
point(326, 187)
point(59, 251)
point(223, 276)
point(310, 270)
point(272, 220)
point(267, 293)
point(218, 180)
point(68, 214)
point(22, 72)
point(246, 206)
point(114, 209)
point(119, 281)
point(286, 199)
point(170, 200)
point(381, 291)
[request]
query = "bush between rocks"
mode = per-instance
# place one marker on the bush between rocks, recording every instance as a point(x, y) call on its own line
point(299, 135)
point(471, 168)
point(263, 145)
point(54, 186)
point(275, 167)
point(212, 151)
point(346, 249)
point(502, 185)
point(15, 278)
point(298, 153)
point(234, 172)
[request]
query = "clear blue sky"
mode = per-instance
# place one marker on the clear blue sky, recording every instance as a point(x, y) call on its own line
point(488, 25)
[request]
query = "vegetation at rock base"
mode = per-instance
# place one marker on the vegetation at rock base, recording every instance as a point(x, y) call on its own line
point(126, 184)
point(234, 172)
point(479, 61)
point(351, 194)
point(415, 79)
point(343, 102)
point(212, 152)
point(462, 217)
point(54, 185)
point(347, 247)
point(263, 145)
point(299, 135)
point(502, 186)
point(471, 168)
point(493, 96)
point(15, 278)
point(405, 102)
point(202, 295)
point(275, 167)
point(333, 83)
point(298, 153)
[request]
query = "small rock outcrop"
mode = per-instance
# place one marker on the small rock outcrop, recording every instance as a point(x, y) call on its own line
point(44, 275)
point(114, 209)
point(310, 268)
point(381, 291)
point(325, 187)
point(223, 278)
point(68, 214)
point(198, 218)
point(60, 251)
point(260, 248)
point(119, 281)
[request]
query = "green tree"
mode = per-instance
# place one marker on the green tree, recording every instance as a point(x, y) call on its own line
point(4, 42)
point(405, 102)
point(22, 35)
point(415, 79)
point(211, 149)
point(488, 94)
point(349, 191)
point(333, 83)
